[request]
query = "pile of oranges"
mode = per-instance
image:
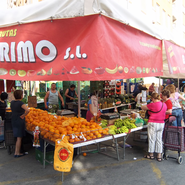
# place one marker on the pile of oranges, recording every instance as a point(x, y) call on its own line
point(54, 127)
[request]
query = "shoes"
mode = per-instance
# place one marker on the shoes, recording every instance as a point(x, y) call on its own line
point(149, 157)
point(159, 159)
point(17, 156)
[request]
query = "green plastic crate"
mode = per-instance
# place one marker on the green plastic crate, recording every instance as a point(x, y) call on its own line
point(40, 156)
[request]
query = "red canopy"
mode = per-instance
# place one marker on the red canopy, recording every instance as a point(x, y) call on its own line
point(175, 57)
point(84, 48)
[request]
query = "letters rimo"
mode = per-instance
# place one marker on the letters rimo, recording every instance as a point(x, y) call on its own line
point(25, 51)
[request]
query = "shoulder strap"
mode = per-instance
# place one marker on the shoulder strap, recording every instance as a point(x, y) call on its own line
point(157, 111)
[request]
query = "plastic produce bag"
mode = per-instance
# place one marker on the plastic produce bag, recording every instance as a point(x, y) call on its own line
point(63, 155)
point(139, 122)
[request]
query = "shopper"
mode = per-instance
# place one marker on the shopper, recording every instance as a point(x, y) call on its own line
point(183, 103)
point(165, 98)
point(176, 107)
point(52, 97)
point(19, 111)
point(138, 98)
point(3, 104)
point(155, 126)
point(151, 89)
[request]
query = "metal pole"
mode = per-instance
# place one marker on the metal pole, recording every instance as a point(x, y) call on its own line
point(44, 154)
point(5, 88)
point(124, 140)
point(79, 113)
point(159, 85)
point(128, 89)
point(178, 82)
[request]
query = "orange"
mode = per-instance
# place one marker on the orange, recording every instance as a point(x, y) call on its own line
point(84, 154)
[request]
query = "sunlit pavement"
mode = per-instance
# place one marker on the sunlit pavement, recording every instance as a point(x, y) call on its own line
point(95, 168)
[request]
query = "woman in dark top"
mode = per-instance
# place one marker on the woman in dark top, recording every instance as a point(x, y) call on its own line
point(3, 105)
point(19, 111)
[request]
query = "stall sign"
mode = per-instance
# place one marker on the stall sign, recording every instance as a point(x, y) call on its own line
point(175, 57)
point(82, 49)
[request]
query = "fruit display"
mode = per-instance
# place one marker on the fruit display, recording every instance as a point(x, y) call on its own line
point(142, 113)
point(104, 123)
point(53, 127)
point(122, 126)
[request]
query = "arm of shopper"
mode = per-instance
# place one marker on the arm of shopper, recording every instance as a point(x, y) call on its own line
point(169, 111)
point(144, 107)
point(181, 97)
point(169, 107)
point(61, 98)
point(45, 99)
point(26, 111)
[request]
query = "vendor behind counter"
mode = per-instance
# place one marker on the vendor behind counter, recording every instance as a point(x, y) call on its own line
point(70, 94)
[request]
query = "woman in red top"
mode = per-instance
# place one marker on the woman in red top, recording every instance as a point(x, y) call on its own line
point(167, 101)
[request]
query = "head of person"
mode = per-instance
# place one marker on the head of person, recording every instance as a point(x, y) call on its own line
point(165, 94)
point(53, 86)
point(3, 96)
point(171, 88)
point(153, 84)
point(144, 88)
point(18, 94)
point(161, 87)
point(72, 87)
point(139, 87)
point(155, 97)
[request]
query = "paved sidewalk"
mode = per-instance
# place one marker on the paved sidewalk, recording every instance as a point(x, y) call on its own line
point(95, 168)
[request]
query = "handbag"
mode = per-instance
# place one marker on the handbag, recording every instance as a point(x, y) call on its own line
point(147, 115)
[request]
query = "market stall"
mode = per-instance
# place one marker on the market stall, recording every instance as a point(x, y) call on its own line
point(93, 47)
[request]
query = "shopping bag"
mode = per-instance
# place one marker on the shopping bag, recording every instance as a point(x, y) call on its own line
point(63, 155)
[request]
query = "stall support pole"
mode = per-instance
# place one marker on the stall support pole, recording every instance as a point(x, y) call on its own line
point(128, 89)
point(178, 82)
point(44, 154)
point(79, 113)
point(5, 88)
point(124, 140)
point(116, 143)
point(159, 85)
point(62, 176)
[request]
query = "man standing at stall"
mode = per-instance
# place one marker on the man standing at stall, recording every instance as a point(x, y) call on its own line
point(52, 96)
point(70, 93)
point(151, 89)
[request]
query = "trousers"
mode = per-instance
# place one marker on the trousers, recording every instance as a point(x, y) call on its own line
point(155, 131)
